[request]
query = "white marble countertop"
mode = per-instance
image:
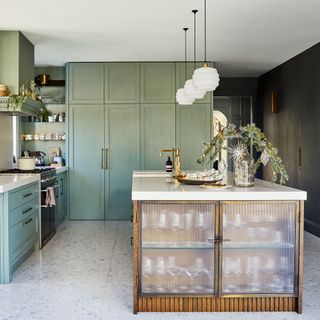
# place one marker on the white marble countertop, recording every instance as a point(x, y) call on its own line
point(159, 185)
point(12, 181)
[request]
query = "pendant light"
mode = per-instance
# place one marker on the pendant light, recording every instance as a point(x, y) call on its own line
point(205, 78)
point(180, 95)
point(189, 89)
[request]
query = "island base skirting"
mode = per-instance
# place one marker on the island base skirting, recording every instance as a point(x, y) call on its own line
point(213, 304)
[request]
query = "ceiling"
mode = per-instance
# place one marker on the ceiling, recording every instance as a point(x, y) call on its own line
point(245, 38)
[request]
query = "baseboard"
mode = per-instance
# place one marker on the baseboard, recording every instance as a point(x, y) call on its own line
point(312, 227)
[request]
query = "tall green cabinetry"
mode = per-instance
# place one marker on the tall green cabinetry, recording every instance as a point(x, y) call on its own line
point(120, 116)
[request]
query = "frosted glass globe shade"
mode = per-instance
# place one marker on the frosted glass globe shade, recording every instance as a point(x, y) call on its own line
point(192, 92)
point(182, 99)
point(205, 78)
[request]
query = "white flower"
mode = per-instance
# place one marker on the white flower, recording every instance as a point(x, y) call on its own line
point(238, 152)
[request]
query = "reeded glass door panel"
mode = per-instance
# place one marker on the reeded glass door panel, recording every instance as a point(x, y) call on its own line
point(177, 271)
point(177, 248)
point(259, 247)
point(178, 225)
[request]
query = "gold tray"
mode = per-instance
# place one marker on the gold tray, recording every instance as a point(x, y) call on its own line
point(182, 179)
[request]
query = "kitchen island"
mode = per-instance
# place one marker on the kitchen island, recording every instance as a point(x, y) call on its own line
point(216, 249)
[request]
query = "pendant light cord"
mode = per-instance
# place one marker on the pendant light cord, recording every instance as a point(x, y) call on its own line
point(185, 53)
point(194, 38)
point(205, 31)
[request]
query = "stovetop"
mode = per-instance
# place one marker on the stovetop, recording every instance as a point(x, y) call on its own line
point(36, 170)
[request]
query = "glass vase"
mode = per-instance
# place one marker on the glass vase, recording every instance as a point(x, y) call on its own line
point(243, 173)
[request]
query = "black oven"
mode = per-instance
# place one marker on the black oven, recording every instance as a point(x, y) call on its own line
point(48, 213)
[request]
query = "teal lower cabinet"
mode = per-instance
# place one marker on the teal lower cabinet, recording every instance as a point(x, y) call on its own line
point(19, 227)
point(193, 127)
point(62, 204)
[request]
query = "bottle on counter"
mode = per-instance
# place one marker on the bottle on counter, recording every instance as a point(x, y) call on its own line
point(169, 165)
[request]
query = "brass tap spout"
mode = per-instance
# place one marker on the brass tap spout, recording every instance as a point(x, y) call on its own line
point(176, 156)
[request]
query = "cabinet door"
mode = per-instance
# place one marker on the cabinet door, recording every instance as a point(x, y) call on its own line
point(157, 82)
point(86, 83)
point(122, 142)
point(86, 170)
point(193, 127)
point(157, 132)
point(182, 76)
point(177, 248)
point(259, 255)
point(122, 82)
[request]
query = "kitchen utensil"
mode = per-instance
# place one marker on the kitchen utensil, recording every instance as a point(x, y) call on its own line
point(26, 163)
point(39, 158)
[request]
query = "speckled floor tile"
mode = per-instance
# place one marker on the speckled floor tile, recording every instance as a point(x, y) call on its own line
point(85, 272)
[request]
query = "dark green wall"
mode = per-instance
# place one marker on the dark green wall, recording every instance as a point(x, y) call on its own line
point(297, 84)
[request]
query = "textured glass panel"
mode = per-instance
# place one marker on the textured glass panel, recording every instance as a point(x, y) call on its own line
point(177, 225)
point(177, 271)
point(259, 248)
point(177, 248)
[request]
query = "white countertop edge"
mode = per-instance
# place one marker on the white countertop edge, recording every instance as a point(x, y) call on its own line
point(12, 181)
point(60, 169)
point(218, 195)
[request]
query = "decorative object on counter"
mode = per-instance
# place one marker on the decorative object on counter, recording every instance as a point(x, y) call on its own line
point(249, 138)
point(176, 154)
point(169, 165)
point(53, 152)
point(211, 176)
point(205, 78)
point(181, 97)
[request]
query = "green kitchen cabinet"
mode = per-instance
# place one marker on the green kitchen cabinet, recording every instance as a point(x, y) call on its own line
point(157, 82)
point(193, 127)
point(85, 83)
point(121, 83)
point(62, 196)
point(122, 145)
point(181, 78)
point(86, 172)
point(157, 127)
point(19, 227)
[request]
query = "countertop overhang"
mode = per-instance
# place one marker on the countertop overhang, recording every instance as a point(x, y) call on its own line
point(9, 182)
point(149, 185)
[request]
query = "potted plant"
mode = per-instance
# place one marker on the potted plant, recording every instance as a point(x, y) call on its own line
point(250, 139)
point(43, 113)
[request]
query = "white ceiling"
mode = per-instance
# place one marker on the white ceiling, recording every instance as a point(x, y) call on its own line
point(245, 37)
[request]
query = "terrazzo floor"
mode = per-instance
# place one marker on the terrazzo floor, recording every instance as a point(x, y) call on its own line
point(85, 272)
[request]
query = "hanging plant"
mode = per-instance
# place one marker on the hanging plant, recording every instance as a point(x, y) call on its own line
point(249, 137)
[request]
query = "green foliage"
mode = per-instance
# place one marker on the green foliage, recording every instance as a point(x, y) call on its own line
point(253, 138)
point(15, 102)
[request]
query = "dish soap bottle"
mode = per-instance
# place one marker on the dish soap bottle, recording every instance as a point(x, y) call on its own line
point(169, 165)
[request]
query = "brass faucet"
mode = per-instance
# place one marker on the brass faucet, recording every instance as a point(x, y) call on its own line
point(176, 154)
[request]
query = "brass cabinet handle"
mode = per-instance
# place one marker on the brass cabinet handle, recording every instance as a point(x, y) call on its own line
point(102, 158)
point(106, 159)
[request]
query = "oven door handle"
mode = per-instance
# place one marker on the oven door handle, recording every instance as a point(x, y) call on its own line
point(48, 180)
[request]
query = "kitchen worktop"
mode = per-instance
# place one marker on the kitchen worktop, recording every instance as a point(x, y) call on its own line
point(159, 185)
point(12, 181)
